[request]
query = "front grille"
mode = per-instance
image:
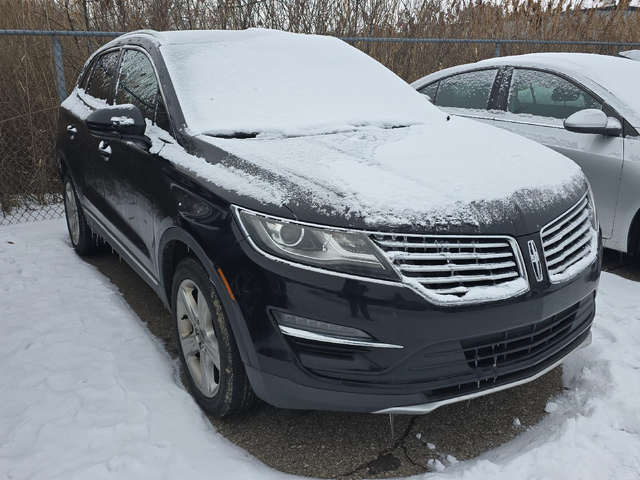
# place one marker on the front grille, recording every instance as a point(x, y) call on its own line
point(568, 240)
point(486, 383)
point(519, 344)
point(451, 268)
point(494, 359)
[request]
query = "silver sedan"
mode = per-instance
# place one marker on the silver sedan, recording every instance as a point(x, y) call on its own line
point(584, 106)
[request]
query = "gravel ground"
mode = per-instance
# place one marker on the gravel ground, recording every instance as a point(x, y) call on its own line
point(352, 446)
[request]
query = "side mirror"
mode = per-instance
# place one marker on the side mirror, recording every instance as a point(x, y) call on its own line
point(116, 120)
point(593, 120)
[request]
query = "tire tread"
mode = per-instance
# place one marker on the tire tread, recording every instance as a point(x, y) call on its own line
point(239, 397)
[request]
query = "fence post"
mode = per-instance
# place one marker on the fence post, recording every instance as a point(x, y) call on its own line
point(57, 58)
point(496, 52)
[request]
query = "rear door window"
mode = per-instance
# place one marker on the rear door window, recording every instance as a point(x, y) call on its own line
point(138, 85)
point(468, 90)
point(103, 76)
point(547, 95)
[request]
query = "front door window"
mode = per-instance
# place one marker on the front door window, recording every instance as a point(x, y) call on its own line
point(543, 94)
point(138, 85)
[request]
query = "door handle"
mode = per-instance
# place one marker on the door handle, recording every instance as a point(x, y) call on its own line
point(104, 150)
point(71, 130)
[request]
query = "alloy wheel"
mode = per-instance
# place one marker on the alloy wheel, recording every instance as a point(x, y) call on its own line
point(198, 338)
point(71, 210)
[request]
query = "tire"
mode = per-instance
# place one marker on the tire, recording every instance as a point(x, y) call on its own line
point(82, 237)
point(202, 331)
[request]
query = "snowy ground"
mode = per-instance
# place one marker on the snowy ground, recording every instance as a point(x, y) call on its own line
point(86, 392)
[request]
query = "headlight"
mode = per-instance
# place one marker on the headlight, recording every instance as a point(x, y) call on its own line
point(327, 248)
point(594, 213)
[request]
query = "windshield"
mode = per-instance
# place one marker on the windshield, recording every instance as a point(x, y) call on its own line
point(265, 81)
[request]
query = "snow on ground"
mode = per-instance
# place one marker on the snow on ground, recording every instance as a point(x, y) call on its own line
point(30, 211)
point(86, 392)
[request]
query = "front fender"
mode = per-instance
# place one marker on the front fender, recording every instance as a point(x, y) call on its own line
point(231, 307)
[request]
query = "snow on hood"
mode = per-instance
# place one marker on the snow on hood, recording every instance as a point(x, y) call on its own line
point(459, 172)
point(268, 81)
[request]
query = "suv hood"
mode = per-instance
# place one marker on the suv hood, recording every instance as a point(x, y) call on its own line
point(457, 176)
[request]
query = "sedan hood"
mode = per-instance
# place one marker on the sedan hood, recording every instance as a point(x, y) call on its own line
point(458, 176)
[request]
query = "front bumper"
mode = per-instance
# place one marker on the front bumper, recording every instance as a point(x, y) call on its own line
point(450, 353)
point(287, 394)
point(430, 407)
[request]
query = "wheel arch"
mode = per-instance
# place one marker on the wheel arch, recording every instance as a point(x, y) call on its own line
point(633, 239)
point(63, 165)
point(177, 244)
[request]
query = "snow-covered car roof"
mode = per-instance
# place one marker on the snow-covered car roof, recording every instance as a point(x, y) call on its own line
point(631, 54)
point(613, 78)
point(268, 81)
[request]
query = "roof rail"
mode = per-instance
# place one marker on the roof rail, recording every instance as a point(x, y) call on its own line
point(152, 33)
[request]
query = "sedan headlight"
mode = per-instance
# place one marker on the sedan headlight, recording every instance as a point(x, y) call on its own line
point(330, 249)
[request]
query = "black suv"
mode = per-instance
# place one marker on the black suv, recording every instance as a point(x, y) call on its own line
point(323, 237)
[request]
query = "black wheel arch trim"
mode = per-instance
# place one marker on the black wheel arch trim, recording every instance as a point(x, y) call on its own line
point(61, 159)
point(232, 309)
point(633, 236)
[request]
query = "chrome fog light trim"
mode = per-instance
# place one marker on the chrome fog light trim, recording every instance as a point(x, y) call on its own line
point(318, 337)
point(318, 326)
point(319, 331)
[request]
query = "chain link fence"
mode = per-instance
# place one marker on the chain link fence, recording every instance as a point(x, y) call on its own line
point(38, 68)
point(35, 69)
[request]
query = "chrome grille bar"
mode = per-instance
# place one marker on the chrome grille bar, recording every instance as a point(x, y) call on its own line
point(569, 240)
point(559, 222)
point(577, 258)
point(572, 238)
point(466, 278)
point(584, 216)
point(460, 268)
point(581, 243)
point(448, 256)
point(448, 267)
point(439, 244)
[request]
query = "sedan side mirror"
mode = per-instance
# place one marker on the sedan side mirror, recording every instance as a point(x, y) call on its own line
point(117, 120)
point(593, 120)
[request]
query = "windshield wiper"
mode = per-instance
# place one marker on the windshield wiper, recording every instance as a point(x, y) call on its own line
point(236, 135)
point(243, 135)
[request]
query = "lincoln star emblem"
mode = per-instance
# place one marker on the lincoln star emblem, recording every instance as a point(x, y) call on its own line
point(535, 260)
